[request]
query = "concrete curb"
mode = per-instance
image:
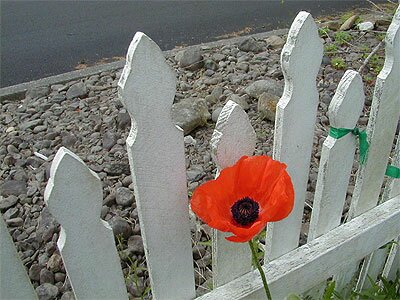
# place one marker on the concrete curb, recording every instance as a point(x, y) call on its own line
point(17, 92)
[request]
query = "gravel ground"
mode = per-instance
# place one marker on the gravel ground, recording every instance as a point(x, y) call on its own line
point(87, 117)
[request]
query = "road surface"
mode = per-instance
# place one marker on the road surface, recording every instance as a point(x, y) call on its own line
point(44, 38)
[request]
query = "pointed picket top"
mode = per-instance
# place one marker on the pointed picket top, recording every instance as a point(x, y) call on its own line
point(74, 197)
point(67, 173)
point(385, 112)
point(337, 156)
point(157, 160)
point(147, 84)
point(233, 137)
point(294, 126)
point(302, 54)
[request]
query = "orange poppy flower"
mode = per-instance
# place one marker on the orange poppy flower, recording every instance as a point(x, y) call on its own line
point(244, 197)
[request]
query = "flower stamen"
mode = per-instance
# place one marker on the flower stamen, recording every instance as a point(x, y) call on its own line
point(245, 211)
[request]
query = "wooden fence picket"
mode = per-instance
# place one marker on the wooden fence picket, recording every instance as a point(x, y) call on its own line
point(294, 127)
point(304, 267)
point(385, 112)
point(337, 156)
point(14, 281)
point(233, 137)
point(156, 155)
point(392, 189)
point(336, 161)
point(74, 196)
point(384, 115)
point(155, 147)
point(381, 261)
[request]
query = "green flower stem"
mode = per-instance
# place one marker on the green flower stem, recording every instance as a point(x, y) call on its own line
point(257, 263)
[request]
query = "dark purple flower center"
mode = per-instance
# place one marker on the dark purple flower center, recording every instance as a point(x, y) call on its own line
point(245, 211)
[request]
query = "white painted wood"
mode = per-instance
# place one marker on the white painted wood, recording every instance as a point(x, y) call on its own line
point(392, 187)
point(336, 162)
point(337, 157)
point(294, 127)
point(86, 243)
point(392, 190)
point(392, 265)
point(379, 261)
point(157, 159)
point(384, 115)
point(232, 138)
point(385, 112)
point(302, 268)
point(14, 281)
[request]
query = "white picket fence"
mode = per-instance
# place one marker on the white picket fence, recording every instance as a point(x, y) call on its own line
point(157, 160)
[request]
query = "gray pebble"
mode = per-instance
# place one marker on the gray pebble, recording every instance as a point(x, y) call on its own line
point(47, 291)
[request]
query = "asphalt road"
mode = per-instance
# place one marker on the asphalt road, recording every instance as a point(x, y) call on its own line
point(44, 38)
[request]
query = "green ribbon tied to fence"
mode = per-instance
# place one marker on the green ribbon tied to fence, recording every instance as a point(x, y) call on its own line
point(337, 133)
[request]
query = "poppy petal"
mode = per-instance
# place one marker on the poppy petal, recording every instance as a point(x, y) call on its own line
point(259, 178)
point(257, 174)
point(246, 234)
point(281, 201)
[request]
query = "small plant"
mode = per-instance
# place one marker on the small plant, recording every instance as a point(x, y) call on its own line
point(133, 277)
point(342, 37)
point(376, 63)
point(381, 36)
point(365, 48)
point(383, 289)
point(324, 32)
point(369, 79)
point(331, 49)
point(338, 63)
point(386, 290)
point(133, 269)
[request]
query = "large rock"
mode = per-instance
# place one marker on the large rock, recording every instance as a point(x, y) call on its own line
point(349, 23)
point(241, 100)
point(366, 26)
point(77, 90)
point(13, 187)
point(267, 106)
point(251, 45)
point(190, 113)
point(37, 92)
point(7, 202)
point(191, 58)
point(259, 87)
point(275, 42)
